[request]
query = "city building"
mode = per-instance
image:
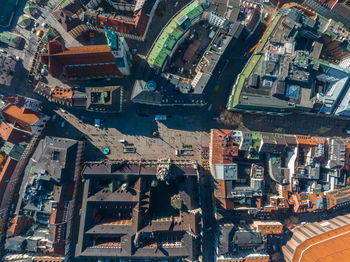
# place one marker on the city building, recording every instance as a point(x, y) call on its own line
point(337, 10)
point(281, 77)
point(180, 70)
point(88, 62)
point(130, 19)
point(140, 210)
point(100, 98)
point(317, 240)
point(108, 99)
point(220, 11)
point(305, 174)
point(23, 113)
point(11, 39)
point(8, 65)
point(250, 15)
point(19, 224)
point(43, 216)
point(242, 242)
point(238, 184)
point(13, 135)
point(268, 227)
point(7, 169)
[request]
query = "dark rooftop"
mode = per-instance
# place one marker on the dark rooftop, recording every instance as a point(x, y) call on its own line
point(127, 201)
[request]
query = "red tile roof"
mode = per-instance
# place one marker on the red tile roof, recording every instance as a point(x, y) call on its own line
point(337, 197)
point(347, 155)
point(261, 258)
point(220, 195)
point(310, 141)
point(342, 9)
point(222, 152)
point(18, 100)
point(329, 3)
point(48, 259)
point(270, 228)
point(18, 224)
point(6, 174)
point(62, 95)
point(21, 116)
point(13, 135)
point(92, 70)
point(136, 26)
point(57, 58)
point(332, 246)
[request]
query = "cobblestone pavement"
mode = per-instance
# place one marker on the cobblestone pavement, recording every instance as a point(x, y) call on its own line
point(137, 132)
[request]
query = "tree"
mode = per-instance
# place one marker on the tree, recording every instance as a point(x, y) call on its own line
point(177, 202)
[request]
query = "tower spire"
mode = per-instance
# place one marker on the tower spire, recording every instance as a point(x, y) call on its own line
point(112, 38)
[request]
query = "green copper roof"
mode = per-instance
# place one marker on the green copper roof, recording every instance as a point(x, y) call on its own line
point(112, 38)
point(29, 8)
point(24, 21)
point(172, 33)
point(10, 39)
point(14, 151)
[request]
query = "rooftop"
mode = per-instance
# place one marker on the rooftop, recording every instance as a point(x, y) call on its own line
point(8, 67)
point(161, 85)
point(108, 98)
point(329, 243)
point(137, 201)
point(10, 39)
point(172, 33)
point(47, 189)
point(86, 61)
point(12, 134)
point(277, 60)
point(27, 116)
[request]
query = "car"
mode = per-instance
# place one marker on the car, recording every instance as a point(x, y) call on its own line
point(346, 131)
point(39, 33)
point(97, 123)
point(291, 227)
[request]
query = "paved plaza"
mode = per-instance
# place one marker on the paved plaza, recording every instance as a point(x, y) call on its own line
point(137, 133)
